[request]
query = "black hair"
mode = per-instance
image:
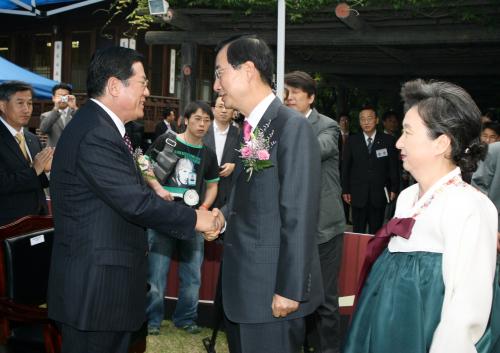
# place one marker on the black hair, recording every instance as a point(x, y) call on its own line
point(245, 48)
point(448, 109)
point(388, 114)
point(110, 62)
point(62, 85)
point(368, 106)
point(301, 80)
point(9, 88)
point(167, 110)
point(492, 126)
point(192, 107)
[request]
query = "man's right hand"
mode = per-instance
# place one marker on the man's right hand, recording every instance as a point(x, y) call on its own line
point(43, 160)
point(207, 222)
point(347, 198)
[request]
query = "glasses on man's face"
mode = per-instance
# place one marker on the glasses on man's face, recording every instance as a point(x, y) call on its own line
point(143, 83)
point(218, 73)
point(367, 120)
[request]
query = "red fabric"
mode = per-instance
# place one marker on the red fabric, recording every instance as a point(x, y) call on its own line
point(395, 227)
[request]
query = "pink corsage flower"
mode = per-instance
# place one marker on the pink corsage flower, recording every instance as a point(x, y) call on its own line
point(263, 155)
point(255, 152)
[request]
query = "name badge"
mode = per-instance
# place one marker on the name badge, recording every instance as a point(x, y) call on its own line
point(381, 152)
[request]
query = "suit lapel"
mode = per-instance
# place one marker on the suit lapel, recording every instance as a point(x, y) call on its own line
point(210, 140)
point(11, 143)
point(269, 115)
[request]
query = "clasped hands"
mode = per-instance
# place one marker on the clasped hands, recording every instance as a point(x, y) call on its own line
point(209, 223)
point(42, 162)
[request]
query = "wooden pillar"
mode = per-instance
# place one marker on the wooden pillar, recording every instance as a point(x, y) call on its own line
point(189, 53)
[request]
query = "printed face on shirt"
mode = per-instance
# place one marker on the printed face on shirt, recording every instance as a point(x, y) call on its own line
point(198, 123)
point(17, 110)
point(417, 148)
point(299, 99)
point(221, 113)
point(368, 121)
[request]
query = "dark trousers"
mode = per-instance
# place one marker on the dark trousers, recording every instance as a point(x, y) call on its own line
point(284, 336)
point(323, 326)
point(368, 215)
point(77, 341)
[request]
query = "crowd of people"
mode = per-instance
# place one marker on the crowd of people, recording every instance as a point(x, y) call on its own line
point(279, 187)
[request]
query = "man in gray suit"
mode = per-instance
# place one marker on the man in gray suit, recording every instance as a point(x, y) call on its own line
point(487, 178)
point(324, 327)
point(271, 276)
point(52, 123)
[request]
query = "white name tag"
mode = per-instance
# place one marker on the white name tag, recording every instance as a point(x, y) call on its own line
point(37, 240)
point(381, 153)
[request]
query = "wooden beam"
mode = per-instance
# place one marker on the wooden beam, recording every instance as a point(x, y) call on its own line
point(390, 37)
point(387, 70)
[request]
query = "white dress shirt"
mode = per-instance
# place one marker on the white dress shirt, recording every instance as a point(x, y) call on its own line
point(259, 110)
point(220, 137)
point(372, 137)
point(119, 124)
point(461, 223)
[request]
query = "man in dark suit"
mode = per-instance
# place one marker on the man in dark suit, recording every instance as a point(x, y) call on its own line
point(271, 277)
point(343, 138)
point(168, 122)
point(222, 138)
point(23, 163)
point(101, 205)
point(370, 177)
point(324, 326)
point(53, 122)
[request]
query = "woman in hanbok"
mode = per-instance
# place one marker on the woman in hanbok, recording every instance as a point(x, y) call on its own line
point(432, 288)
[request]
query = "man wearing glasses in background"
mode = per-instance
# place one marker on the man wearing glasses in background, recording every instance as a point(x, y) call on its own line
point(370, 177)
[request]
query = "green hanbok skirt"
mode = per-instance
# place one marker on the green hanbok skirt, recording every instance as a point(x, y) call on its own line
point(400, 307)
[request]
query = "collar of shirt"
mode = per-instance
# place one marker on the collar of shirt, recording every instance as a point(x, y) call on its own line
point(10, 128)
point(167, 124)
point(259, 110)
point(119, 124)
point(66, 110)
point(309, 113)
point(372, 136)
point(219, 131)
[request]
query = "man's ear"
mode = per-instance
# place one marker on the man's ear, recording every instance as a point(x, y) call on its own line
point(114, 86)
point(2, 106)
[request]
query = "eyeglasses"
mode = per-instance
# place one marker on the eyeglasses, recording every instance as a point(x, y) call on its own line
point(367, 120)
point(144, 83)
point(218, 71)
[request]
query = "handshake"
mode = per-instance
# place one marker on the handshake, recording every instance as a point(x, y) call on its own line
point(210, 223)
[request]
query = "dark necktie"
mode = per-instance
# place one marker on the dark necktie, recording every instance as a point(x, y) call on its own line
point(127, 141)
point(370, 145)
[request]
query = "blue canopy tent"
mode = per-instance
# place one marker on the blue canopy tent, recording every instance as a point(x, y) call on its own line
point(41, 85)
point(36, 7)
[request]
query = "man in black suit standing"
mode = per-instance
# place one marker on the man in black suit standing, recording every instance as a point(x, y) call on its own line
point(23, 163)
point(222, 138)
point(370, 177)
point(101, 205)
point(167, 123)
point(271, 277)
